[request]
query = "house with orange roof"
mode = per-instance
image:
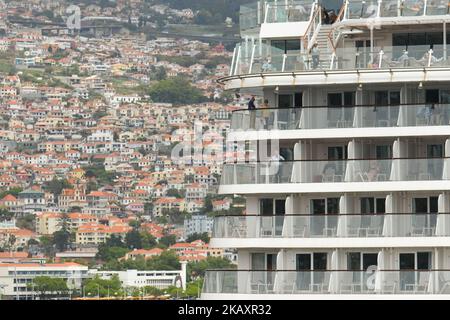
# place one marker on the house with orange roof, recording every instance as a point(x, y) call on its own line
point(142, 253)
point(20, 237)
point(10, 202)
point(167, 203)
point(49, 222)
point(94, 233)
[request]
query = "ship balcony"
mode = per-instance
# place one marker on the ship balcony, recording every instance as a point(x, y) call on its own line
point(412, 115)
point(263, 58)
point(273, 14)
point(339, 282)
point(304, 176)
point(391, 10)
point(336, 171)
point(259, 64)
point(331, 226)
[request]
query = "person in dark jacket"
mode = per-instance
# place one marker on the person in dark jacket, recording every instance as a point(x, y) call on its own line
point(251, 103)
point(252, 108)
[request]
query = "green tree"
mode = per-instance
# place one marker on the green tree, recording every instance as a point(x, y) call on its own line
point(198, 236)
point(13, 191)
point(177, 91)
point(133, 239)
point(46, 286)
point(56, 186)
point(167, 260)
point(46, 244)
point(197, 269)
point(158, 73)
point(148, 240)
point(5, 215)
point(168, 240)
point(103, 287)
point(175, 193)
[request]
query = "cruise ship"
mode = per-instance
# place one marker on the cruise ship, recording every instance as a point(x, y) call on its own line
point(354, 201)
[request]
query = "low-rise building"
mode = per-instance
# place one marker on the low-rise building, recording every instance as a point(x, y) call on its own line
point(15, 278)
point(161, 279)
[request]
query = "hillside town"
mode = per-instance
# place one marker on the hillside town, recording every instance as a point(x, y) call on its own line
point(90, 189)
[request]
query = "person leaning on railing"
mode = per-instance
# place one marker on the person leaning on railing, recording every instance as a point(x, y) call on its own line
point(252, 108)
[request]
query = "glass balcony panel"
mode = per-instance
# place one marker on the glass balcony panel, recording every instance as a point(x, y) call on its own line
point(296, 11)
point(355, 282)
point(437, 7)
point(248, 16)
point(333, 171)
point(297, 282)
point(425, 115)
point(327, 282)
point(323, 171)
point(412, 8)
point(362, 226)
point(370, 170)
point(331, 226)
point(377, 116)
point(389, 8)
point(414, 225)
point(355, 9)
point(341, 117)
point(421, 169)
point(297, 63)
point(370, 9)
point(256, 57)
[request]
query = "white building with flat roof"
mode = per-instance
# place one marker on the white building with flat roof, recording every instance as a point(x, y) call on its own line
point(161, 279)
point(15, 278)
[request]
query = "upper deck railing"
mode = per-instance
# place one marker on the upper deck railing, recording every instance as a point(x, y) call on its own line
point(357, 9)
point(262, 58)
point(294, 11)
point(252, 15)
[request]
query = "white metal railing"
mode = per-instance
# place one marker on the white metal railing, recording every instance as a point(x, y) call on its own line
point(357, 9)
point(370, 281)
point(333, 225)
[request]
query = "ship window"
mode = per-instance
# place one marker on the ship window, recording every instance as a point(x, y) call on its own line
point(386, 98)
point(373, 205)
point(285, 47)
point(269, 207)
point(425, 205)
point(432, 96)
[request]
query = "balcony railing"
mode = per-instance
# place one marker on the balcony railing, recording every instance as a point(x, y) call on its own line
point(334, 171)
point(333, 226)
point(252, 15)
point(357, 9)
point(262, 58)
point(341, 117)
point(296, 11)
point(327, 282)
